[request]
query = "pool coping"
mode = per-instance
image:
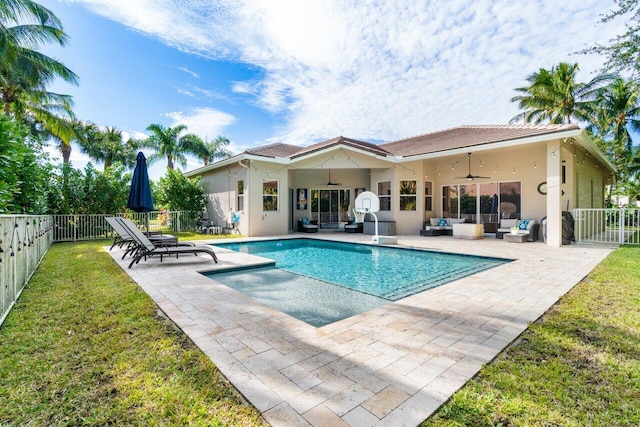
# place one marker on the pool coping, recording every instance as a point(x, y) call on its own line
point(391, 366)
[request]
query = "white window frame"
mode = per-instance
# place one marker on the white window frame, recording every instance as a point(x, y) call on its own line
point(273, 196)
point(384, 197)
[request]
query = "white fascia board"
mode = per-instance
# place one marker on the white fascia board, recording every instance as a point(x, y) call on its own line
point(589, 144)
point(337, 147)
point(493, 145)
point(233, 160)
point(213, 166)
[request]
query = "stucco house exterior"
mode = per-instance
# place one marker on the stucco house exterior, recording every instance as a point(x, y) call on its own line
point(536, 171)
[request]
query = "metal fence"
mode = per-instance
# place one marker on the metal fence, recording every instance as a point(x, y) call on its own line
point(71, 228)
point(24, 240)
point(618, 226)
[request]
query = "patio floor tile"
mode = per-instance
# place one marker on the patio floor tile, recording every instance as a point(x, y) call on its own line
point(391, 366)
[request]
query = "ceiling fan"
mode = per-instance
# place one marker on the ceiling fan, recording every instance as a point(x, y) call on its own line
point(470, 177)
point(331, 184)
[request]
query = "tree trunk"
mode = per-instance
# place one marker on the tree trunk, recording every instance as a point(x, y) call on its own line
point(170, 162)
point(66, 153)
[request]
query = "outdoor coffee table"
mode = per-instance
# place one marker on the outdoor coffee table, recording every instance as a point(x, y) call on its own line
point(431, 232)
point(515, 238)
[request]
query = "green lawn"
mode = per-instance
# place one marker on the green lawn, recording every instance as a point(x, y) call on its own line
point(578, 366)
point(84, 345)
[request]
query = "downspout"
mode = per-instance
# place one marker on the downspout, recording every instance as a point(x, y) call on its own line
point(246, 201)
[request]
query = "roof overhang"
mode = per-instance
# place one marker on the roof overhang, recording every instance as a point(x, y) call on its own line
point(331, 148)
point(577, 134)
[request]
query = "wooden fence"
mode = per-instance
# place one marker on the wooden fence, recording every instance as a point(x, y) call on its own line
point(24, 240)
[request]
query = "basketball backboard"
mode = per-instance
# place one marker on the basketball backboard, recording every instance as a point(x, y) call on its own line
point(367, 202)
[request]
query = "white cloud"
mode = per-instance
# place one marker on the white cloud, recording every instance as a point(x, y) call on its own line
point(188, 71)
point(207, 123)
point(377, 70)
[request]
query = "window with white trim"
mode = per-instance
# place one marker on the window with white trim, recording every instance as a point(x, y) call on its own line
point(408, 195)
point(428, 196)
point(240, 196)
point(384, 194)
point(269, 195)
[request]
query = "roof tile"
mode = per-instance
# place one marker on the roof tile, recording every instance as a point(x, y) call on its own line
point(468, 136)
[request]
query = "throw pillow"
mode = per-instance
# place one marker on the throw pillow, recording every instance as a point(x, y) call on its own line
point(522, 224)
point(442, 222)
point(305, 221)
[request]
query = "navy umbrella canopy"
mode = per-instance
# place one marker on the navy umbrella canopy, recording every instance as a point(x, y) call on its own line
point(140, 199)
point(494, 204)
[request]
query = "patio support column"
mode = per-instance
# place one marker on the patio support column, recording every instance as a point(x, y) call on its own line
point(554, 193)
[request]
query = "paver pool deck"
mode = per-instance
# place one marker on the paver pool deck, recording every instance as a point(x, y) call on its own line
point(391, 366)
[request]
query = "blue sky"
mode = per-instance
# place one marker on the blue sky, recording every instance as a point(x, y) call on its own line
point(294, 71)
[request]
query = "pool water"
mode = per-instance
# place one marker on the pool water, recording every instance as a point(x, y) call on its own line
point(330, 281)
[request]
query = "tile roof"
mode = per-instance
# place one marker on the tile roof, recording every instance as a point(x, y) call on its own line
point(341, 140)
point(448, 139)
point(275, 150)
point(468, 136)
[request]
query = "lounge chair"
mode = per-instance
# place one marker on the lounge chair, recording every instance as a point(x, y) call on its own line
point(145, 248)
point(123, 237)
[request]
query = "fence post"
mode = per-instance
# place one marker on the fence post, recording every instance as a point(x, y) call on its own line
point(179, 229)
point(621, 226)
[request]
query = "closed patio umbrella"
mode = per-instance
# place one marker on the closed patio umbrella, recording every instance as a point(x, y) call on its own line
point(140, 199)
point(494, 208)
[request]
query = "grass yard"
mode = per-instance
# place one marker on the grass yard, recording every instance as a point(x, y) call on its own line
point(579, 365)
point(85, 346)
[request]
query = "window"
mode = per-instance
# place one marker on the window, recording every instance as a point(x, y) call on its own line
point(468, 201)
point(240, 196)
point(510, 195)
point(384, 194)
point(408, 195)
point(269, 195)
point(450, 206)
point(428, 196)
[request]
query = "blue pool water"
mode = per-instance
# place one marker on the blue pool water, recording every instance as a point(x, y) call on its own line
point(321, 281)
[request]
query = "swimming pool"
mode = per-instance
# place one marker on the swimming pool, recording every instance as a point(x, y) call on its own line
point(320, 281)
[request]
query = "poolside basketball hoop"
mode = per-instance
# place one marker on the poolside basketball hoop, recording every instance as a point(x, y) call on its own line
point(369, 203)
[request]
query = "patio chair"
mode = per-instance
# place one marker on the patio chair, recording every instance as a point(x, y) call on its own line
point(123, 237)
point(146, 248)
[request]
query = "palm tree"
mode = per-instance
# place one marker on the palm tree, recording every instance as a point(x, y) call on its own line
point(168, 144)
point(216, 149)
point(22, 68)
point(616, 111)
point(618, 108)
point(554, 96)
point(25, 73)
point(105, 145)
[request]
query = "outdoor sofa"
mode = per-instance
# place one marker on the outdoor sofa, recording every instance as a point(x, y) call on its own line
point(441, 226)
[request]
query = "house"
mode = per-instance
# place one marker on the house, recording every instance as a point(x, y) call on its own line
point(535, 171)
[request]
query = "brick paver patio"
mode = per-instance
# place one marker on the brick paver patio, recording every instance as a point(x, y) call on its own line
point(391, 366)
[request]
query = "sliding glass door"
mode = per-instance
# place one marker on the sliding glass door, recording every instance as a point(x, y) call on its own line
point(330, 207)
point(482, 203)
